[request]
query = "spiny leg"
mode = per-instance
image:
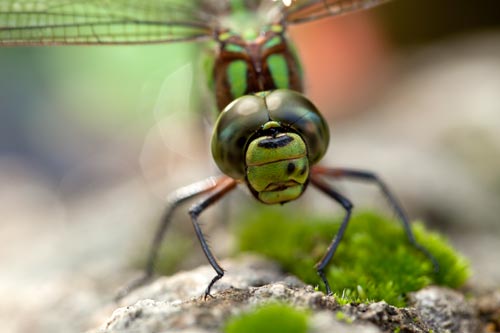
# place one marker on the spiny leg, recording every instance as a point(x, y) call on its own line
point(347, 205)
point(174, 200)
point(222, 189)
point(391, 198)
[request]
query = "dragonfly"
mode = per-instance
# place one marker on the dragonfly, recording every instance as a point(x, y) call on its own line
point(268, 135)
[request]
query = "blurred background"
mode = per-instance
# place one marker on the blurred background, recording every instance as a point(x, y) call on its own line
point(92, 139)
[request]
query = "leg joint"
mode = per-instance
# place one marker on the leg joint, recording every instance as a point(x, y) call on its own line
point(346, 203)
point(195, 211)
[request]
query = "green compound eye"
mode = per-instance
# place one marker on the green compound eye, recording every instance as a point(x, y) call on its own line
point(292, 109)
point(284, 110)
point(239, 121)
point(271, 139)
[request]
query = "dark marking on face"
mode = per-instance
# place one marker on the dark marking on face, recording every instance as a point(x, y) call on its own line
point(277, 142)
point(304, 169)
point(290, 168)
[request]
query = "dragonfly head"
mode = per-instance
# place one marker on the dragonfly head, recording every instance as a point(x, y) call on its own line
point(270, 140)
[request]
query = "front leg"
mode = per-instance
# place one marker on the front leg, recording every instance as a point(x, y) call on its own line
point(391, 199)
point(222, 189)
point(175, 199)
point(347, 205)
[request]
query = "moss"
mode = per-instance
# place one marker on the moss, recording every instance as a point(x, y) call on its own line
point(273, 317)
point(373, 262)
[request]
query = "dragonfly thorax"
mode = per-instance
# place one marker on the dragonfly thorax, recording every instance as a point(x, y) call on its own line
point(246, 66)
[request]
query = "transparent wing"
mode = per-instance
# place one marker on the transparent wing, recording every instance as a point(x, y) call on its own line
point(309, 10)
point(73, 22)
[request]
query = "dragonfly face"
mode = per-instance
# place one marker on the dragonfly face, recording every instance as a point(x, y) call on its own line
point(243, 67)
point(270, 140)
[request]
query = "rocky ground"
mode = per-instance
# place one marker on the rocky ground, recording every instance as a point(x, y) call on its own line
point(174, 304)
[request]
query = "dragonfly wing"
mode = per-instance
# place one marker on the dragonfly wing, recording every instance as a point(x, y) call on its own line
point(74, 22)
point(309, 10)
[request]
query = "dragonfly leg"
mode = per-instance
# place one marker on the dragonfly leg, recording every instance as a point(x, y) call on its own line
point(347, 205)
point(217, 193)
point(174, 200)
point(390, 197)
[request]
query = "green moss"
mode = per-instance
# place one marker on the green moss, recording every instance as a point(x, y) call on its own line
point(373, 262)
point(269, 318)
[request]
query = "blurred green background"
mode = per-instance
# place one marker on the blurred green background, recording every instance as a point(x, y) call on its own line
point(60, 104)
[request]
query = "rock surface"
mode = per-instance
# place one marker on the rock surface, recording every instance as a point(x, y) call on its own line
point(174, 304)
point(488, 306)
point(445, 310)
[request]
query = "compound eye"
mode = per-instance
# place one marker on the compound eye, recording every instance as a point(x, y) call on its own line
point(234, 127)
point(294, 110)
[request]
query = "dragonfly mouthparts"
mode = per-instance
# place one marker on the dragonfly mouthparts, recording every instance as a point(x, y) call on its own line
point(281, 186)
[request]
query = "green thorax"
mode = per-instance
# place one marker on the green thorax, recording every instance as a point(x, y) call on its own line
point(253, 59)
